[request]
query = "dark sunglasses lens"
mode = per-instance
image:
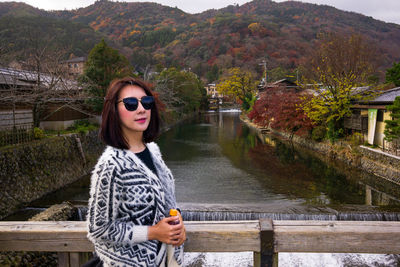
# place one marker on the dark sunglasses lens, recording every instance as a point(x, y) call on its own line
point(147, 102)
point(131, 103)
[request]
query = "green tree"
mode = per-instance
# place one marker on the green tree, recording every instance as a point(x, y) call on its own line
point(392, 128)
point(213, 74)
point(181, 91)
point(393, 74)
point(339, 64)
point(241, 85)
point(103, 65)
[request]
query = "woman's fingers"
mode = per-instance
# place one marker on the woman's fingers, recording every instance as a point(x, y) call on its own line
point(171, 219)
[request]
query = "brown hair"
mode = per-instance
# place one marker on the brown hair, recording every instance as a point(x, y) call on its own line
point(110, 129)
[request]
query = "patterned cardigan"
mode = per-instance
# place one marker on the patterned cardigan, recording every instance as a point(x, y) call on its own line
point(125, 198)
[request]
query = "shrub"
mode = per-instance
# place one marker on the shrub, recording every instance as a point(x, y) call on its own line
point(356, 139)
point(82, 129)
point(38, 133)
point(318, 133)
point(82, 126)
point(83, 122)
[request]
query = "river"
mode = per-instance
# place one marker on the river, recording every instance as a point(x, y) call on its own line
point(224, 171)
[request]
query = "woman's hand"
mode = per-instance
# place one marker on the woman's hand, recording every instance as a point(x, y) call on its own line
point(167, 233)
point(182, 236)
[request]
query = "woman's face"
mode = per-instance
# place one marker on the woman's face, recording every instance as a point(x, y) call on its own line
point(137, 120)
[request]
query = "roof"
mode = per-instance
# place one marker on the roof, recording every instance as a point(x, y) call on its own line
point(25, 78)
point(285, 81)
point(360, 90)
point(12, 81)
point(75, 60)
point(387, 96)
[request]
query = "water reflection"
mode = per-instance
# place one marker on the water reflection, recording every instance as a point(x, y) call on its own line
point(217, 159)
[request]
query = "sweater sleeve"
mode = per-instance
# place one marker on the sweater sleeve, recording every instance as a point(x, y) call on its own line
point(102, 227)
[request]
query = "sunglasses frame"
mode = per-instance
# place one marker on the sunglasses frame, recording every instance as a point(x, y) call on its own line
point(146, 106)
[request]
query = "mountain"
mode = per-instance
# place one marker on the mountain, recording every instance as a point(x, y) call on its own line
point(16, 9)
point(23, 26)
point(282, 33)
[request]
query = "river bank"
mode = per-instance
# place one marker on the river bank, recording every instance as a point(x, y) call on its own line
point(364, 158)
point(32, 170)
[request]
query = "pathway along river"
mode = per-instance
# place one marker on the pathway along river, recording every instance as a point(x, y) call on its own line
point(224, 171)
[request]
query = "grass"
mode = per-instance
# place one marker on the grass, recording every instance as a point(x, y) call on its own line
point(80, 126)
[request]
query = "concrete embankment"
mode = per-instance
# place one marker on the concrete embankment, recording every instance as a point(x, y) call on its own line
point(364, 158)
point(30, 171)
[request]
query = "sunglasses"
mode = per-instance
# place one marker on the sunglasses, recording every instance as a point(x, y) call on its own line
point(132, 103)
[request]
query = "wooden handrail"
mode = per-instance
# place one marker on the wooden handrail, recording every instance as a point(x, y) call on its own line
point(264, 237)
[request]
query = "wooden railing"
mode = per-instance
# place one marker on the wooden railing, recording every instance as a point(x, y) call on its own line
point(265, 238)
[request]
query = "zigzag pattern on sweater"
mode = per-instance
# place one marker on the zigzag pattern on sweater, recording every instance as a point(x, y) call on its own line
point(125, 195)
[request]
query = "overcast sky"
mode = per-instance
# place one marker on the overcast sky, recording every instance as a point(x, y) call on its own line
point(386, 10)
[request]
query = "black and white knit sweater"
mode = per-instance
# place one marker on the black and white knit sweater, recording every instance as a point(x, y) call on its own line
point(125, 198)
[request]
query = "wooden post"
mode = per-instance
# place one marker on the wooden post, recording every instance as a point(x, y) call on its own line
point(63, 259)
point(267, 256)
point(368, 195)
point(74, 259)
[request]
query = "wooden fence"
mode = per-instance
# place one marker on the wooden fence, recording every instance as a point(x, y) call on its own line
point(16, 135)
point(265, 238)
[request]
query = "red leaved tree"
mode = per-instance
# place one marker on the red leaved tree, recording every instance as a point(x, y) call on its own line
point(281, 110)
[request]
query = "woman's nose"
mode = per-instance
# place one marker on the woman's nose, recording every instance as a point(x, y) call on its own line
point(140, 107)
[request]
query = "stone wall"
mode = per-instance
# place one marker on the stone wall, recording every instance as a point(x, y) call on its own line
point(380, 164)
point(30, 171)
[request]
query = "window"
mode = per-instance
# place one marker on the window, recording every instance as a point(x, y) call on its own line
point(379, 117)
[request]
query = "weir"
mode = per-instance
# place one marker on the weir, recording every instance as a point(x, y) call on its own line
point(230, 216)
point(237, 215)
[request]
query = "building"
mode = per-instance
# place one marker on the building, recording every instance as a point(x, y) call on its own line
point(74, 66)
point(214, 98)
point(368, 117)
point(212, 92)
point(61, 100)
point(284, 83)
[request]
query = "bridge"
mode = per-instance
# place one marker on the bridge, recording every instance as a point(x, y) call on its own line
point(265, 237)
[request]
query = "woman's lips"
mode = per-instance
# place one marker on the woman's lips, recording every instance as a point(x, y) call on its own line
point(141, 120)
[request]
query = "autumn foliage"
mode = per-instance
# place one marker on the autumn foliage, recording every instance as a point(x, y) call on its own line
point(281, 110)
point(234, 36)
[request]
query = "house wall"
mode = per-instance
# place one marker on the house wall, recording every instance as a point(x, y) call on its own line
point(380, 128)
point(56, 125)
point(74, 69)
point(53, 113)
point(378, 139)
point(60, 119)
point(23, 117)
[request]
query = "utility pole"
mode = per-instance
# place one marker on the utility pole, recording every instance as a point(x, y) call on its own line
point(264, 63)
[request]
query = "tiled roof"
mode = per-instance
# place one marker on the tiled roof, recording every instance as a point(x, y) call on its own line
point(387, 96)
point(75, 60)
point(15, 77)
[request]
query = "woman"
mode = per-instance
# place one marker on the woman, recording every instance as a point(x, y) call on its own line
point(132, 190)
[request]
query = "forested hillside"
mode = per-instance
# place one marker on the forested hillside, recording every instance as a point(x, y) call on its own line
point(149, 34)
